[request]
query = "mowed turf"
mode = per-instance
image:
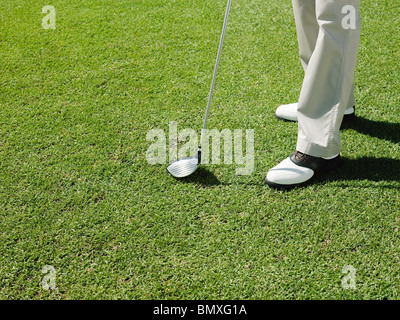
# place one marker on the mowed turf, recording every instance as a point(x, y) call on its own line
point(77, 192)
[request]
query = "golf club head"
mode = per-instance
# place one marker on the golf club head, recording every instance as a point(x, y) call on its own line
point(185, 167)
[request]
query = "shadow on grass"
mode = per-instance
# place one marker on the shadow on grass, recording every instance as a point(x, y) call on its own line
point(366, 168)
point(202, 177)
point(382, 130)
point(369, 168)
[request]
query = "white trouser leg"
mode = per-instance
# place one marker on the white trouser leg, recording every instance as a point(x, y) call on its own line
point(328, 53)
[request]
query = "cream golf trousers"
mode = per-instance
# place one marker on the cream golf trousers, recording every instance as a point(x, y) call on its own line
point(328, 34)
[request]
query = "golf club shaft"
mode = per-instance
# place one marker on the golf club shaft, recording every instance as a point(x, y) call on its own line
point(221, 42)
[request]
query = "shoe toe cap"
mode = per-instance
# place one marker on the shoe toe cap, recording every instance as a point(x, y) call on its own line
point(288, 173)
point(287, 112)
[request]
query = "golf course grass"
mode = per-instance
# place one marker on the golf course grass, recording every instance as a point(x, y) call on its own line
point(77, 192)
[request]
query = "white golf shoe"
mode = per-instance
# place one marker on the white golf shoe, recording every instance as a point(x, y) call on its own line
point(298, 169)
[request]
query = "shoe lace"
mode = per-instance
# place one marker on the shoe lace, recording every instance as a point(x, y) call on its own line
point(301, 156)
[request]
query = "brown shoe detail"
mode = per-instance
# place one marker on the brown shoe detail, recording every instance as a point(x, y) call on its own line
point(314, 163)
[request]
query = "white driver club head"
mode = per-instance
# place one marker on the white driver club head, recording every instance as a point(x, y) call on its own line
point(183, 167)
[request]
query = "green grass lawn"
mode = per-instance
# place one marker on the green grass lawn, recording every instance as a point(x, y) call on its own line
point(77, 193)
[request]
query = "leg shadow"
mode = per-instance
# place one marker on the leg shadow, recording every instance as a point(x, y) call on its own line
point(382, 130)
point(366, 168)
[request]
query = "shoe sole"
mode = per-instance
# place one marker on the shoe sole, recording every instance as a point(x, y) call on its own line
point(287, 187)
